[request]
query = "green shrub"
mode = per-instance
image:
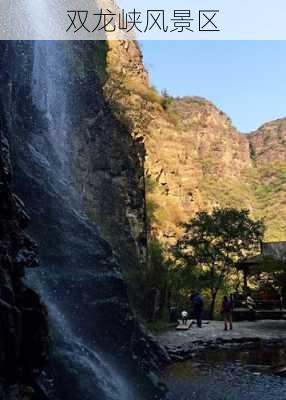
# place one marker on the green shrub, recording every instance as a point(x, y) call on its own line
point(150, 184)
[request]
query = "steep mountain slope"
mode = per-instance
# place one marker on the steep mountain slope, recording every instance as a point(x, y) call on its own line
point(268, 151)
point(195, 159)
point(268, 143)
point(204, 162)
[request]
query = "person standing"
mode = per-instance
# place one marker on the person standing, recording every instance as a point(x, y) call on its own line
point(250, 303)
point(198, 306)
point(226, 310)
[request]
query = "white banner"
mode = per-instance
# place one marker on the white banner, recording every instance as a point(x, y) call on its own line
point(152, 20)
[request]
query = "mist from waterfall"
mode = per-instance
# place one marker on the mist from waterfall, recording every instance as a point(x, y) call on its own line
point(91, 367)
point(49, 92)
point(60, 286)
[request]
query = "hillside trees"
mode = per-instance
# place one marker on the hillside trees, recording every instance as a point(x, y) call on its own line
point(213, 242)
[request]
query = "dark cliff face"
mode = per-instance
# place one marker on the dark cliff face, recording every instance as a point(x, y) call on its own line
point(107, 163)
point(67, 160)
point(23, 328)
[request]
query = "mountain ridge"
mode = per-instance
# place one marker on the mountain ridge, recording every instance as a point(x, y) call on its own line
point(195, 159)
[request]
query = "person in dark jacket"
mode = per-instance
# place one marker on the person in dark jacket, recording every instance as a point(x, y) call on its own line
point(198, 306)
point(226, 310)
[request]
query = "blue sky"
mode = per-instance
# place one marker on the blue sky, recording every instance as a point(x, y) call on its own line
point(247, 80)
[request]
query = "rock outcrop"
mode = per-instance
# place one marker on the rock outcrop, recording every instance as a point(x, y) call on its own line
point(79, 171)
point(268, 143)
point(195, 159)
point(199, 160)
point(23, 328)
point(108, 165)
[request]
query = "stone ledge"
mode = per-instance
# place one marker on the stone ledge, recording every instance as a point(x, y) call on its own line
point(185, 345)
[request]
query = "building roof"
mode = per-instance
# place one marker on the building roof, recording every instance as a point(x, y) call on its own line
point(273, 250)
point(249, 262)
point(276, 250)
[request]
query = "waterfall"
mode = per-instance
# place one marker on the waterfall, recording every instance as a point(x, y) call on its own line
point(97, 379)
point(50, 91)
point(54, 100)
point(79, 279)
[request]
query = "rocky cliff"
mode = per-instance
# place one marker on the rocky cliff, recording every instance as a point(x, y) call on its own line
point(268, 143)
point(268, 176)
point(200, 161)
point(195, 158)
point(79, 171)
point(23, 329)
point(108, 162)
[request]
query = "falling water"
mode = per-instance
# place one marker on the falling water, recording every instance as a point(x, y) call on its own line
point(49, 92)
point(98, 380)
point(71, 277)
point(79, 279)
